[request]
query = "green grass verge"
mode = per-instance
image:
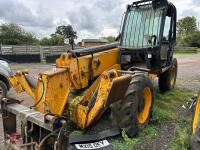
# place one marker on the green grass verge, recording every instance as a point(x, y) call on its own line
point(165, 110)
point(186, 52)
point(169, 109)
point(166, 105)
point(128, 144)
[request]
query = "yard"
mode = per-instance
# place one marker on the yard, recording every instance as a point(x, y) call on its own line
point(170, 127)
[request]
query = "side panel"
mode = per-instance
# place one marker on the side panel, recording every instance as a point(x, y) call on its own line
point(104, 60)
point(52, 97)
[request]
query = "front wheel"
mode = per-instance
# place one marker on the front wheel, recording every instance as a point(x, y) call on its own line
point(134, 111)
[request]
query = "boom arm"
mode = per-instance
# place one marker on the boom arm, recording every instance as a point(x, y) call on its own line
point(53, 90)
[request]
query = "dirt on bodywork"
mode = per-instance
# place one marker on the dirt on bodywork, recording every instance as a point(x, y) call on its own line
point(170, 126)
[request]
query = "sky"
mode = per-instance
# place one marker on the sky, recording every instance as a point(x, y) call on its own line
point(90, 18)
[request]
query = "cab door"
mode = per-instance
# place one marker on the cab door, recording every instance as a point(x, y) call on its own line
point(169, 37)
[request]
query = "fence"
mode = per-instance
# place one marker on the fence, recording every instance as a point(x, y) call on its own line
point(14, 52)
point(48, 50)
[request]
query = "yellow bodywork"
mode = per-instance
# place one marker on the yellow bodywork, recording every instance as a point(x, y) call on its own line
point(85, 68)
point(81, 84)
point(196, 114)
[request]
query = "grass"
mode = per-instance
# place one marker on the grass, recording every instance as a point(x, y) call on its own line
point(128, 144)
point(165, 105)
point(181, 139)
point(186, 52)
point(166, 111)
point(172, 102)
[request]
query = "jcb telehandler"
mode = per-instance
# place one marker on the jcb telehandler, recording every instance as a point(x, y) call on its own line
point(88, 82)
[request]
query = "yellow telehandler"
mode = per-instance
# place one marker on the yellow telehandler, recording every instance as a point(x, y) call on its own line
point(88, 82)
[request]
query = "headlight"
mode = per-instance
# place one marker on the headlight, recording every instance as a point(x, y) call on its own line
point(5, 65)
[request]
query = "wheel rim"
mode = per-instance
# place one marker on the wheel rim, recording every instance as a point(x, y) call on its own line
point(196, 115)
point(173, 76)
point(144, 114)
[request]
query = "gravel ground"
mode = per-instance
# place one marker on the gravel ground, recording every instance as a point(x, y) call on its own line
point(189, 71)
point(188, 78)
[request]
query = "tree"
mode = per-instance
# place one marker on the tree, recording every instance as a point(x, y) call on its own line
point(109, 38)
point(13, 34)
point(45, 41)
point(193, 39)
point(55, 39)
point(68, 33)
point(186, 26)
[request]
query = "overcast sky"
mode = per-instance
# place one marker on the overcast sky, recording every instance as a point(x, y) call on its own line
point(90, 18)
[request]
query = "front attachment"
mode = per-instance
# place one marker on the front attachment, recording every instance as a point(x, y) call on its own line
point(25, 128)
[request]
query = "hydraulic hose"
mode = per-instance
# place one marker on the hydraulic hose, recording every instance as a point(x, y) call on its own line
point(40, 99)
point(46, 137)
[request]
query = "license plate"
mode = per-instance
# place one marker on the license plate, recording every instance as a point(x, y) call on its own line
point(95, 145)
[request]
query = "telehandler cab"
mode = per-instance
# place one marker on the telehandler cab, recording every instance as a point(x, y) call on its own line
point(87, 82)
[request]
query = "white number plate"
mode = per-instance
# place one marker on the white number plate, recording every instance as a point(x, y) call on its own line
point(95, 145)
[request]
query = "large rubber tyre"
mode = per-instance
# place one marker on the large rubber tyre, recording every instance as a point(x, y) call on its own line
point(3, 90)
point(167, 80)
point(127, 113)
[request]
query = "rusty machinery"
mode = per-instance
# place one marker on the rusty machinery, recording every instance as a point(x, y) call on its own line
point(86, 83)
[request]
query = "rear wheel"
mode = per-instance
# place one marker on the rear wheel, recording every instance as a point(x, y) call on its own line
point(133, 113)
point(3, 90)
point(167, 80)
